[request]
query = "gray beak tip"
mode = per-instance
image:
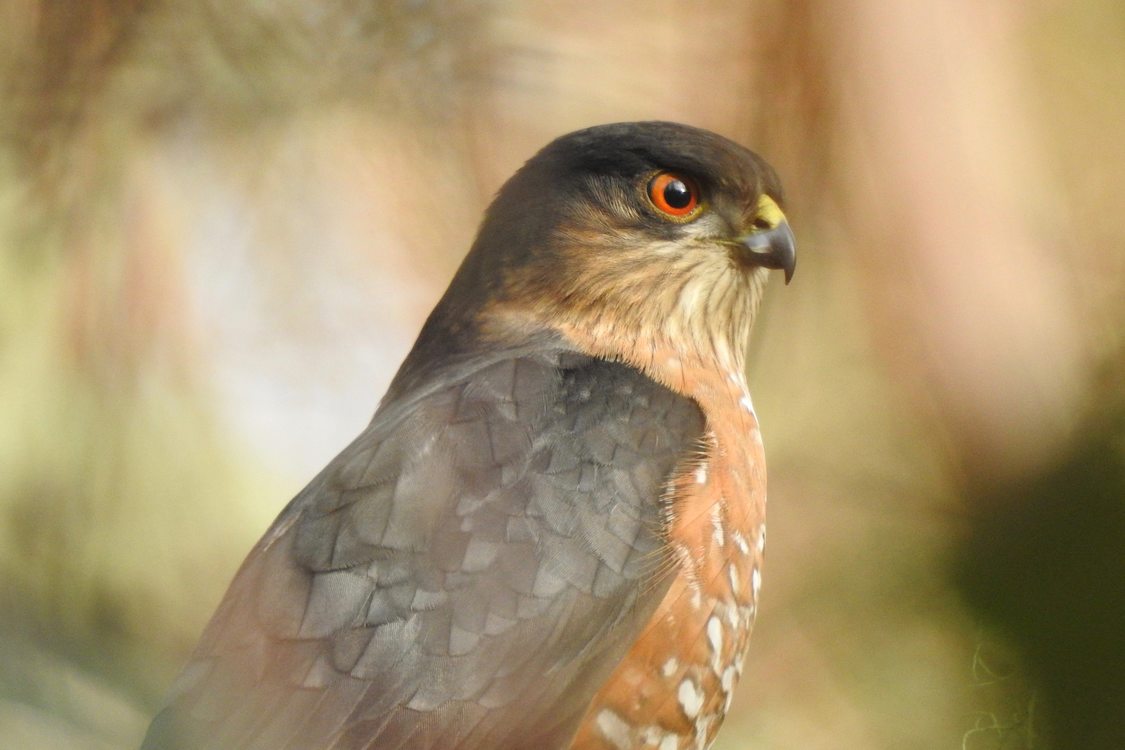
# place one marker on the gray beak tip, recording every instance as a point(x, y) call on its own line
point(771, 248)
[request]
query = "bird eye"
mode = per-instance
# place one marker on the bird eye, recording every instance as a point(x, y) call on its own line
point(674, 195)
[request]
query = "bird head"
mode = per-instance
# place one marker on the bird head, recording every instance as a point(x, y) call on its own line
point(627, 240)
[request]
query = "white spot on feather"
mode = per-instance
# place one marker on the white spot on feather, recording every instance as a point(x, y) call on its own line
point(614, 728)
point(717, 534)
point(715, 634)
point(701, 474)
point(703, 731)
point(690, 697)
point(670, 667)
point(732, 615)
point(715, 638)
point(728, 680)
point(728, 687)
point(740, 540)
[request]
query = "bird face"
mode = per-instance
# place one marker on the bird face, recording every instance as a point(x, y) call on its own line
point(644, 242)
point(640, 237)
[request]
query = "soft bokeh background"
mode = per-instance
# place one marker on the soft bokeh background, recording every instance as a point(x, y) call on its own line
point(222, 224)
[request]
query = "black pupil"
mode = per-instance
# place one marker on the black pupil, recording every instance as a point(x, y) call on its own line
point(677, 194)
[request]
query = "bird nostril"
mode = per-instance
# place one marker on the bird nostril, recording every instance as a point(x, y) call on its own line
point(761, 223)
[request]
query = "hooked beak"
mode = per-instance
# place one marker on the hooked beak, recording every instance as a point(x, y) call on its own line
point(772, 246)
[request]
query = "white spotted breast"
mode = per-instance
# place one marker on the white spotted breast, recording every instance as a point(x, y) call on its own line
point(673, 688)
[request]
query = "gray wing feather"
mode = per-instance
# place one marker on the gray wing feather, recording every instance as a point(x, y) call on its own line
point(467, 571)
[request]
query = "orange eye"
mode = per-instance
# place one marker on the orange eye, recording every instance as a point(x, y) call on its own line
point(674, 195)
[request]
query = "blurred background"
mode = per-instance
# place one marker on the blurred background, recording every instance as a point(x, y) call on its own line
point(222, 224)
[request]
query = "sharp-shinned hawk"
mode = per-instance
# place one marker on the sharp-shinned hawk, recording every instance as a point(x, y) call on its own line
point(551, 533)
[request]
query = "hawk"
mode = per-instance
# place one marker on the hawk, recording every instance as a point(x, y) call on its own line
point(551, 533)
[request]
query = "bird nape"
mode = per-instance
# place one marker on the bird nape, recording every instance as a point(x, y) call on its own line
point(551, 533)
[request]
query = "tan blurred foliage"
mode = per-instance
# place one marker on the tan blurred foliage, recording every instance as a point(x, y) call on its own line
point(224, 222)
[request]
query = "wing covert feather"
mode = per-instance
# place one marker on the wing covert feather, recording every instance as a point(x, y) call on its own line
point(471, 567)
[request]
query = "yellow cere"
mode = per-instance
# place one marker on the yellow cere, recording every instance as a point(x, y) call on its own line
point(769, 211)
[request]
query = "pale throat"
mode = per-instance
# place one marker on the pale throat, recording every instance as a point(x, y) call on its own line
point(701, 356)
